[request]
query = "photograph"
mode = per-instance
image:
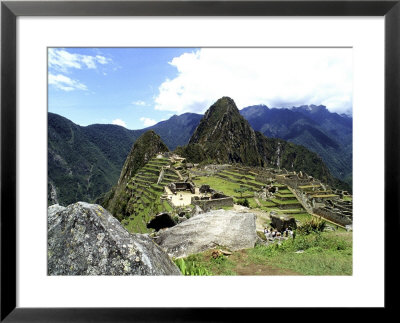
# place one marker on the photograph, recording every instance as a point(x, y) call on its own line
point(200, 161)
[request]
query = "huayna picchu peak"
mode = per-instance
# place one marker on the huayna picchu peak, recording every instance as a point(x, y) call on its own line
point(225, 135)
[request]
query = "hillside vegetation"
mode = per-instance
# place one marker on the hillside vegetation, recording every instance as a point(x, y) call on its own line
point(314, 127)
point(119, 200)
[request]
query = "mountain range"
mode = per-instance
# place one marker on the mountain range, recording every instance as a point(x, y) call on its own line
point(330, 135)
point(85, 162)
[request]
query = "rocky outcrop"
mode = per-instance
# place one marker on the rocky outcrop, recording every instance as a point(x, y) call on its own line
point(53, 210)
point(85, 239)
point(229, 229)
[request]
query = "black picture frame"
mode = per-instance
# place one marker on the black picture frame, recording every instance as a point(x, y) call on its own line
point(10, 10)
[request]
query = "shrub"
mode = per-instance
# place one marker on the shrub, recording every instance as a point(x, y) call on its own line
point(244, 202)
point(312, 225)
point(190, 268)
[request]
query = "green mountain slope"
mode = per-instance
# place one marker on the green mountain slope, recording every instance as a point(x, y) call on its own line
point(83, 165)
point(145, 148)
point(314, 127)
point(85, 162)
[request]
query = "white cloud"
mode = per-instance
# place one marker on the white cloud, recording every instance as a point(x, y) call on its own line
point(139, 102)
point(62, 60)
point(277, 77)
point(65, 83)
point(119, 122)
point(147, 122)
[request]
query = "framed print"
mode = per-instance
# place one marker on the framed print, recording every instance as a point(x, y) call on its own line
point(161, 116)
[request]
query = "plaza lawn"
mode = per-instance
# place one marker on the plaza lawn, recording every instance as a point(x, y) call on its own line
point(221, 185)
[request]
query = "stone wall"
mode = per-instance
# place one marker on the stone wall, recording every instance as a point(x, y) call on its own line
point(289, 206)
point(181, 186)
point(208, 204)
point(294, 181)
point(333, 216)
point(265, 178)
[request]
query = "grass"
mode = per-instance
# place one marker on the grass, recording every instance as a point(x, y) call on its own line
point(252, 203)
point(221, 266)
point(284, 202)
point(227, 208)
point(167, 207)
point(219, 184)
point(327, 253)
point(302, 217)
point(266, 203)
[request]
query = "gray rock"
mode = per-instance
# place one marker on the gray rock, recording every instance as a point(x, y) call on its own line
point(182, 219)
point(53, 212)
point(197, 210)
point(85, 239)
point(230, 229)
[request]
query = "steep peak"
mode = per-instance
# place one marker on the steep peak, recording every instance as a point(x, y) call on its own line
point(148, 135)
point(146, 146)
point(220, 107)
point(225, 135)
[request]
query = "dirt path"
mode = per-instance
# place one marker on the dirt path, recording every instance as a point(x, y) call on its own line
point(248, 269)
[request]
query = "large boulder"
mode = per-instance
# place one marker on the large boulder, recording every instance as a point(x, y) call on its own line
point(53, 210)
point(229, 229)
point(85, 239)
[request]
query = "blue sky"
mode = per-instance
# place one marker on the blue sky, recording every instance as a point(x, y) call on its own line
point(137, 87)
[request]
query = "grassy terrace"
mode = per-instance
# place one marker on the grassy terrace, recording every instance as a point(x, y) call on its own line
point(285, 202)
point(324, 195)
point(244, 178)
point(287, 195)
point(309, 187)
point(146, 196)
point(228, 188)
point(220, 184)
point(249, 183)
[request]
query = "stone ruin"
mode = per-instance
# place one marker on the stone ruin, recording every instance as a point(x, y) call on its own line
point(316, 197)
point(337, 211)
point(215, 200)
point(182, 186)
